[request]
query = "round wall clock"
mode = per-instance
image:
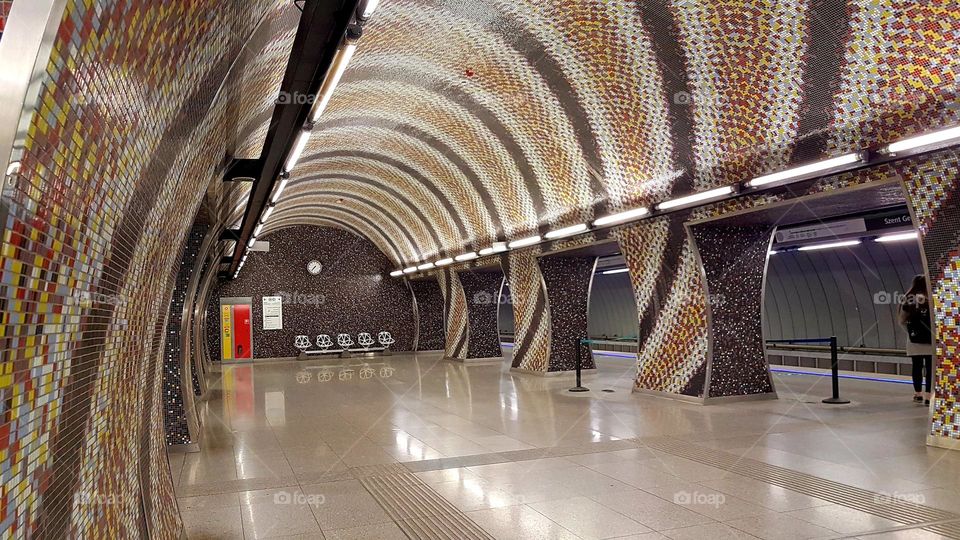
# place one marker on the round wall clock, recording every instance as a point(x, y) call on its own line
point(314, 267)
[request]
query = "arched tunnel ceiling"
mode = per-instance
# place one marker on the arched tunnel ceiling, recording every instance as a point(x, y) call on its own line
point(460, 122)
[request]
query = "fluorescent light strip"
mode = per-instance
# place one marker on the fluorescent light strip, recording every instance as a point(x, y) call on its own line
point(621, 217)
point(898, 237)
point(804, 171)
point(524, 242)
point(617, 271)
point(330, 83)
point(298, 146)
point(253, 240)
point(279, 190)
point(369, 8)
point(258, 230)
point(944, 135)
point(695, 198)
point(466, 256)
point(396, 273)
point(772, 252)
point(566, 231)
point(815, 247)
point(266, 215)
point(444, 262)
point(410, 270)
point(427, 266)
point(497, 247)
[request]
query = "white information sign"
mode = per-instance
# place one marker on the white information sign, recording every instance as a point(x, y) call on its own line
point(273, 313)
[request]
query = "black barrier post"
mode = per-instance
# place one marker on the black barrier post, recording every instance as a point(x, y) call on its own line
point(579, 387)
point(835, 375)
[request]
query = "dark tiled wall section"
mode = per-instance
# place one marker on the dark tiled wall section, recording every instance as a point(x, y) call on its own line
point(174, 418)
point(430, 313)
point(482, 290)
point(568, 289)
point(733, 260)
point(352, 294)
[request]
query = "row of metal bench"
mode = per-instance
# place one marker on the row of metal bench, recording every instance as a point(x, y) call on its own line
point(325, 345)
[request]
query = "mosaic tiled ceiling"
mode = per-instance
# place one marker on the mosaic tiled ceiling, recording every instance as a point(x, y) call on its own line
point(460, 122)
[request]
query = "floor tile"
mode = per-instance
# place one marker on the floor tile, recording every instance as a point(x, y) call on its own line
point(213, 523)
point(515, 522)
point(588, 519)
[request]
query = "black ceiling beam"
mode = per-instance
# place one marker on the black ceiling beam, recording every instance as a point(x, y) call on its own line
point(322, 27)
point(247, 170)
point(230, 234)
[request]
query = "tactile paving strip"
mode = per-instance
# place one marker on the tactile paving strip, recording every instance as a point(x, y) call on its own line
point(416, 508)
point(877, 504)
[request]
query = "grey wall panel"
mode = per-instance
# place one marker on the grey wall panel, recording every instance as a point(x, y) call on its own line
point(613, 310)
point(850, 293)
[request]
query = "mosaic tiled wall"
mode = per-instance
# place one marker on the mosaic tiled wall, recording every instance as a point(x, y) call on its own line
point(456, 326)
point(129, 131)
point(670, 293)
point(531, 311)
point(567, 280)
point(733, 261)
point(933, 187)
point(350, 295)
point(482, 292)
point(174, 416)
point(429, 314)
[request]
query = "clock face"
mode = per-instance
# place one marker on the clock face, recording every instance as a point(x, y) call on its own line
point(314, 267)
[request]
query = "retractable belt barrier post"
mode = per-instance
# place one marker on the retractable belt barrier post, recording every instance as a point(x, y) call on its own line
point(579, 388)
point(834, 365)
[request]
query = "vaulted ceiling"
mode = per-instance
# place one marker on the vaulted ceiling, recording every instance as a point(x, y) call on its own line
point(462, 122)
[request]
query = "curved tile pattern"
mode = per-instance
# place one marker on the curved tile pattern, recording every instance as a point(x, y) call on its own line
point(531, 311)
point(455, 315)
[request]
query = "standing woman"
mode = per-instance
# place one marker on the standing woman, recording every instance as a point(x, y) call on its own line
point(915, 317)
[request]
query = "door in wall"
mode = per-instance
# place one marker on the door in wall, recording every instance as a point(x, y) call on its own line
point(236, 340)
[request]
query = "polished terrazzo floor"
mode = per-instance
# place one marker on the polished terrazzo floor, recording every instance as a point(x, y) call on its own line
point(310, 450)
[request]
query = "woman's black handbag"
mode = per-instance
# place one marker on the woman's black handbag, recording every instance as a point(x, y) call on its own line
point(918, 326)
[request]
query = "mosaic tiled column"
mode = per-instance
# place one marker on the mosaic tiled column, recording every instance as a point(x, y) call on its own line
point(567, 280)
point(429, 299)
point(670, 295)
point(531, 312)
point(933, 188)
point(733, 260)
point(455, 315)
point(482, 292)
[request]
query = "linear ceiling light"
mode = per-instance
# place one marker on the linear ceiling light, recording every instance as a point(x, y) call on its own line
point(466, 256)
point(497, 247)
point(831, 245)
point(344, 54)
point(621, 217)
point(369, 8)
point(266, 215)
point(444, 262)
point(410, 270)
point(617, 271)
point(805, 171)
point(566, 231)
point(276, 194)
point(524, 242)
point(937, 137)
point(898, 237)
point(258, 230)
point(427, 266)
point(396, 273)
point(298, 146)
point(253, 240)
point(695, 198)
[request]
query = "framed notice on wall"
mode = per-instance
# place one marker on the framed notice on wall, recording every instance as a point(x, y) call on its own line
point(273, 313)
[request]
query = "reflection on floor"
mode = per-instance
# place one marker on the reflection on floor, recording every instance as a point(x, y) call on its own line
point(414, 446)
